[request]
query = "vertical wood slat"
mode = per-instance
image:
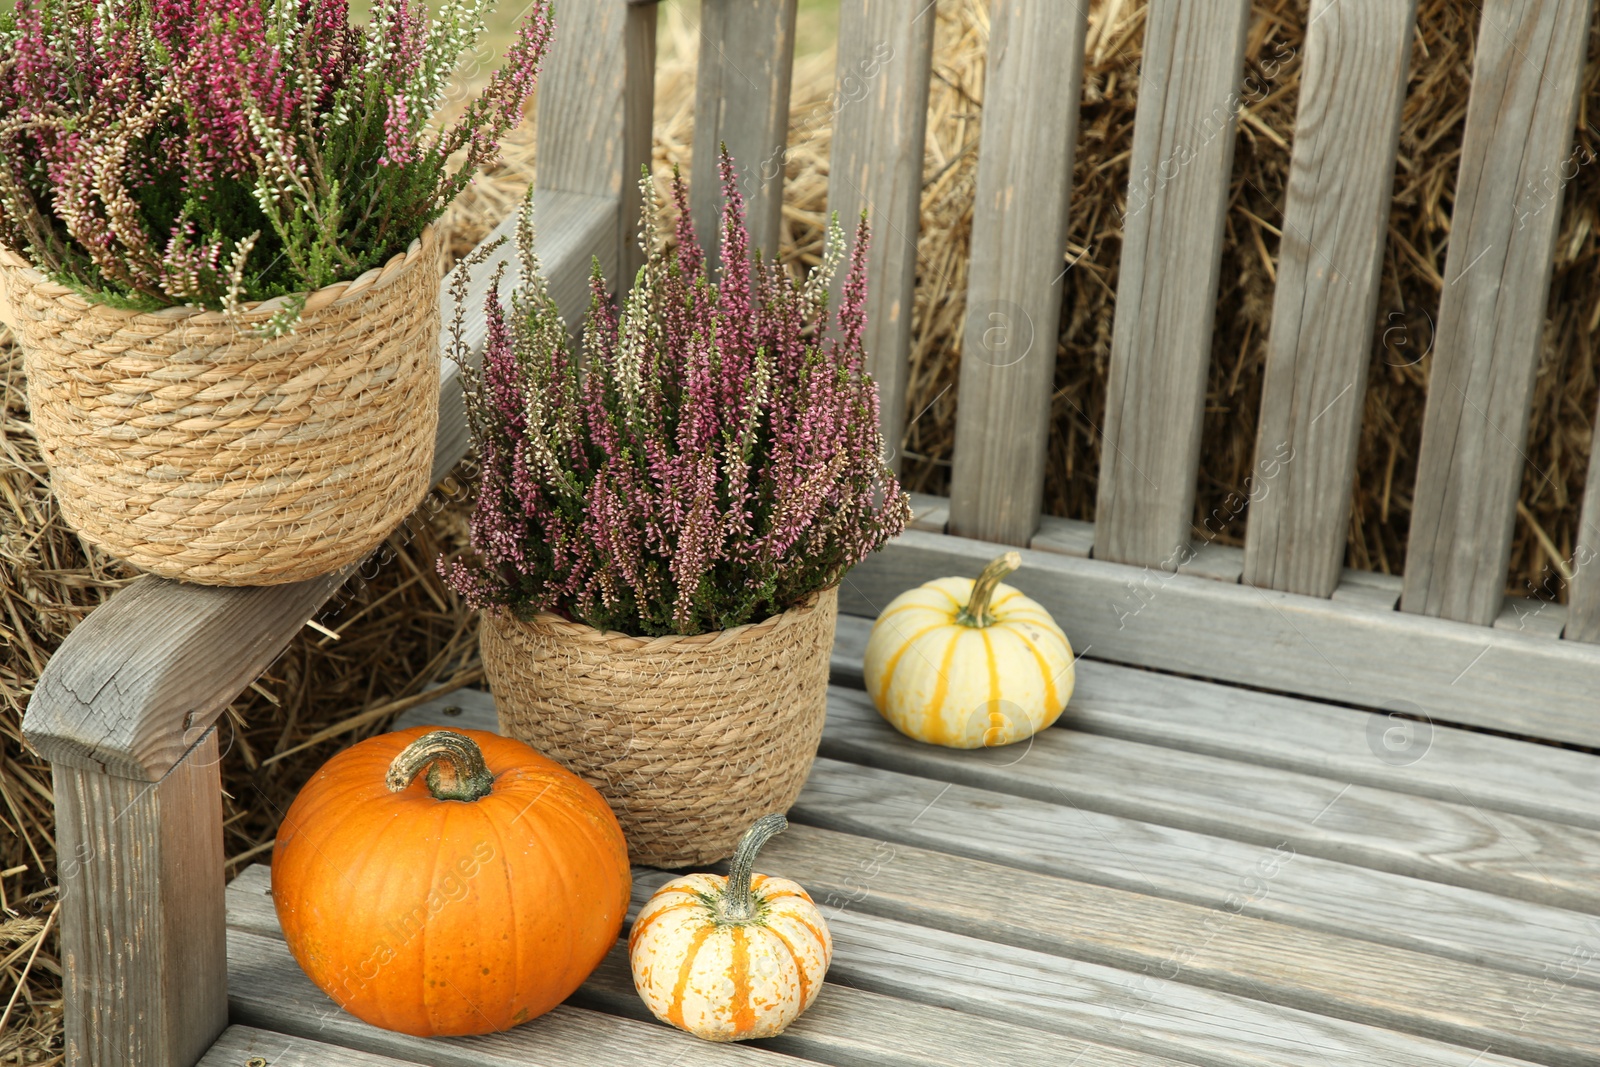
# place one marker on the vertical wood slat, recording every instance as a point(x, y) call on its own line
point(1519, 129)
point(1019, 238)
point(1189, 93)
point(1330, 262)
point(142, 917)
point(880, 121)
point(596, 98)
point(1583, 592)
point(742, 100)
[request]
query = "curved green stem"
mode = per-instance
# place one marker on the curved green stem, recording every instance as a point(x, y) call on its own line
point(738, 904)
point(976, 613)
point(456, 770)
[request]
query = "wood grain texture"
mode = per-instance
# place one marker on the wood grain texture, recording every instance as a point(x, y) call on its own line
point(1583, 592)
point(267, 989)
point(140, 870)
point(1337, 977)
point(596, 95)
point(1386, 751)
point(1329, 263)
point(880, 121)
point(1457, 843)
point(1275, 882)
point(1380, 592)
point(930, 513)
point(742, 100)
point(1144, 1012)
point(844, 1025)
point(140, 680)
point(1515, 158)
point(239, 1045)
point(1166, 295)
point(1067, 537)
point(1278, 882)
point(1329, 649)
point(1019, 241)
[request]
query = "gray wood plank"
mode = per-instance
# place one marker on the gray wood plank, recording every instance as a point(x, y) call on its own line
point(1144, 1012)
point(1339, 977)
point(136, 683)
point(930, 513)
point(880, 121)
point(140, 870)
point(1277, 882)
point(1540, 618)
point(239, 1045)
point(742, 100)
point(1068, 537)
point(1519, 132)
point(1352, 87)
point(1207, 559)
point(595, 113)
point(1380, 592)
point(1385, 751)
point(1166, 294)
point(1303, 890)
point(1019, 239)
point(1583, 591)
point(1461, 844)
point(1328, 649)
point(268, 990)
point(845, 1026)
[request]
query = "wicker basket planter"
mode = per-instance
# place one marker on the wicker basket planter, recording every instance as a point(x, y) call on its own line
point(187, 444)
point(690, 739)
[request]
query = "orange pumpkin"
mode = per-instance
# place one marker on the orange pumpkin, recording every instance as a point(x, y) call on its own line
point(463, 903)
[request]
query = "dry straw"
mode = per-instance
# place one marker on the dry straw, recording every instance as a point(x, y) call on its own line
point(690, 739)
point(188, 444)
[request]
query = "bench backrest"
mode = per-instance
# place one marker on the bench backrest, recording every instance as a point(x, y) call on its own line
point(1519, 132)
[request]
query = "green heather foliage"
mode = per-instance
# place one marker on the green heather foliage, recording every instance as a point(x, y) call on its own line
point(712, 460)
point(209, 152)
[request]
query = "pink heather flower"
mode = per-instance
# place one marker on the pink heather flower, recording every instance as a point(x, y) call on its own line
point(717, 460)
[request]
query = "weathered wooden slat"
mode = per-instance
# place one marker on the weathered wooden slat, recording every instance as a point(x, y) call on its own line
point(1384, 751)
point(241, 1045)
point(930, 513)
point(1019, 238)
point(140, 870)
point(1278, 882)
point(1460, 843)
point(1352, 87)
point(880, 120)
point(1583, 591)
point(1166, 296)
point(1339, 977)
point(1068, 537)
point(596, 98)
point(1514, 159)
point(1380, 592)
point(1533, 940)
point(844, 1026)
point(1328, 649)
point(138, 681)
point(742, 100)
point(267, 989)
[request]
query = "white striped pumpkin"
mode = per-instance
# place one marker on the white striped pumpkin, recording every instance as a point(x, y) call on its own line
point(969, 664)
point(730, 958)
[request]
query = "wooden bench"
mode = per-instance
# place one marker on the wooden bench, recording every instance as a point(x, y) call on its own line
point(1226, 853)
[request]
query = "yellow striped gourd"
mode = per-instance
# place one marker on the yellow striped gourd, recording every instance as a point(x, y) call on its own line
point(969, 664)
point(730, 958)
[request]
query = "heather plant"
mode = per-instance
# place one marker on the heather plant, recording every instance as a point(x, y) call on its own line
point(712, 459)
point(208, 152)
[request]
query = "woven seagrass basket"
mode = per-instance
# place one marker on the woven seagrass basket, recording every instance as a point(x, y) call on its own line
point(690, 739)
point(188, 444)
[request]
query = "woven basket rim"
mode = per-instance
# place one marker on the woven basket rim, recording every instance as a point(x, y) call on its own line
point(618, 641)
point(316, 300)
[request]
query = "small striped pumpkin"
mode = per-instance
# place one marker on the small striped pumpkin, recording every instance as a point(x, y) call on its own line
point(730, 958)
point(969, 664)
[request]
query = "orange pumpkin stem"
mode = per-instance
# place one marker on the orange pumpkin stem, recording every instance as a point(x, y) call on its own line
point(976, 613)
point(456, 770)
point(738, 904)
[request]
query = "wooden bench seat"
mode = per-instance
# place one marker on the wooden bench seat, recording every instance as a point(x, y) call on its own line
point(1123, 890)
point(1296, 814)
